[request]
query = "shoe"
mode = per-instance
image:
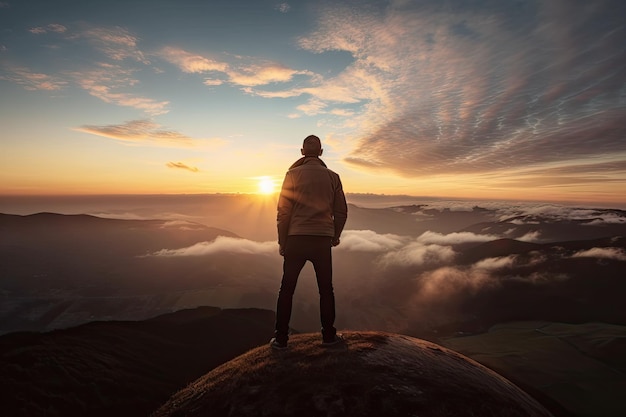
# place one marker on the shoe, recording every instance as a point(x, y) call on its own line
point(337, 339)
point(276, 345)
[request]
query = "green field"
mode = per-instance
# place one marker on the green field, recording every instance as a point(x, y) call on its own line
point(582, 367)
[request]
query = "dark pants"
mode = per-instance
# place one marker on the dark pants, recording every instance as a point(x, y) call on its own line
point(298, 250)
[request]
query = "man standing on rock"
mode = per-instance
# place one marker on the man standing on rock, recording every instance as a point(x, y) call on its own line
point(312, 212)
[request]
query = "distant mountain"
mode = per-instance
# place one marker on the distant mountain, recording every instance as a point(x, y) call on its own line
point(413, 220)
point(505, 247)
point(121, 368)
point(543, 228)
point(62, 270)
point(85, 235)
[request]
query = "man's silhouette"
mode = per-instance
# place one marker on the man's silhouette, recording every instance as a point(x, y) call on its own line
point(312, 212)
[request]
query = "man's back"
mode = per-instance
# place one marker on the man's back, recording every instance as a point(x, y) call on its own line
point(311, 200)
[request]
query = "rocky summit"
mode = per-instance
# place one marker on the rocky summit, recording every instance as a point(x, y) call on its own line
point(369, 374)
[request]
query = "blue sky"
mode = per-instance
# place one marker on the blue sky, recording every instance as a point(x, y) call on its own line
point(481, 99)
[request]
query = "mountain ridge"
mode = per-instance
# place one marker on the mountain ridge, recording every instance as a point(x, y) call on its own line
point(123, 368)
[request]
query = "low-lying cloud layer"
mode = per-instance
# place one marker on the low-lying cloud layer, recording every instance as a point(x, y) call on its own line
point(394, 282)
point(430, 249)
point(222, 244)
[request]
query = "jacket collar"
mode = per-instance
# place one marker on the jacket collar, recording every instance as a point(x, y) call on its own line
point(307, 160)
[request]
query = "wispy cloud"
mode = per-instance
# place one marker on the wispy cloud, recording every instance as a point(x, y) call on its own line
point(52, 27)
point(181, 165)
point(110, 77)
point(262, 73)
point(283, 7)
point(369, 241)
point(241, 71)
point(223, 244)
point(143, 132)
point(110, 83)
point(446, 281)
point(490, 264)
point(33, 80)
point(541, 85)
point(419, 254)
point(535, 213)
point(182, 225)
point(115, 42)
point(189, 62)
point(453, 238)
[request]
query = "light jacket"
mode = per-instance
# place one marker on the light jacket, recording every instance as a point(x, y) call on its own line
point(311, 201)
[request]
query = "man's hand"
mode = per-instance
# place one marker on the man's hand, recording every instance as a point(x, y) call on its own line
point(335, 241)
point(281, 250)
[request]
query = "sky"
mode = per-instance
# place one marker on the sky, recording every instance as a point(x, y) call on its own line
point(503, 99)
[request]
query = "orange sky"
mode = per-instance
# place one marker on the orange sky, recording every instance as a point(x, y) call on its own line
point(99, 99)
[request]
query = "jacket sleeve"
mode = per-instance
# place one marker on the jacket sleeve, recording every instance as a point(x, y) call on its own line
point(340, 209)
point(285, 207)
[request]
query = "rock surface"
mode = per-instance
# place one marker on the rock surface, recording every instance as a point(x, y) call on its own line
point(370, 374)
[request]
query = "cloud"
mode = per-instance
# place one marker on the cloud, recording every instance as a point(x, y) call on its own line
point(212, 82)
point(244, 71)
point(106, 78)
point(110, 83)
point(283, 7)
point(182, 225)
point(223, 244)
point(541, 85)
point(617, 254)
point(418, 254)
point(455, 238)
point(568, 173)
point(115, 42)
point(536, 213)
point(445, 281)
point(262, 74)
point(491, 264)
point(533, 236)
point(369, 241)
point(395, 250)
point(145, 132)
point(33, 81)
point(342, 112)
point(312, 107)
point(191, 63)
point(53, 27)
point(180, 165)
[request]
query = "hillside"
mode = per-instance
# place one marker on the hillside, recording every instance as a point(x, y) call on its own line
point(121, 368)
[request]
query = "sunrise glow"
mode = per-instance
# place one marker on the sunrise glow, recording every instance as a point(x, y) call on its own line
point(98, 98)
point(266, 185)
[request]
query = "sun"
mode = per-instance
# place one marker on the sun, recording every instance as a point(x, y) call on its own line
point(266, 185)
